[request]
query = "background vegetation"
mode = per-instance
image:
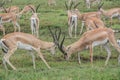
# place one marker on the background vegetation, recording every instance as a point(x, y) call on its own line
point(55, 16)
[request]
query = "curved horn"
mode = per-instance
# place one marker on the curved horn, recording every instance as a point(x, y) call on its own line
point(37, 7)
point(71, 5)
point(61, 47)
point(5, 10)
point(32, 8)
point(76, 5)
point(99, 6)
point(66, 5)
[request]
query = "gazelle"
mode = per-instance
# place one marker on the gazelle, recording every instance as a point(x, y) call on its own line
point(12, 41)
point(10, 17)
point(111, 13)
point(89, 2)
point(51, 2)
point(14, 9)
point(27, 8)
point(35, 22)
point(90, 39)
point(91, 20)
point(72, 19)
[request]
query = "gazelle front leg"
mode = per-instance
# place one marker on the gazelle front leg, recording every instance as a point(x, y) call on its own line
point(41, 56)
point(83, 23)
point(91, 53)
point(7, 56)
point(79, 61)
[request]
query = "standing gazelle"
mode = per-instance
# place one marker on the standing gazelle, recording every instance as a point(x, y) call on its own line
point(35, 22)
point(72, 19)
point(111, 13)
point(12, 41)
point(90, 39)
point(91, 20)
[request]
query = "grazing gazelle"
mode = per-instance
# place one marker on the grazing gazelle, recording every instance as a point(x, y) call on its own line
point(35, 22)
point(111, 13)
point(26, 9)
point(91, 20)
point(12, 41)
point(90, 39)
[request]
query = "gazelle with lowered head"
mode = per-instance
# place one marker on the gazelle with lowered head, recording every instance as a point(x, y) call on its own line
point(90, 39)
point(35, 22)
point(10, 17)
point(111, 13)
point(27, 9)
point(18, 40)
point(91, 20)
point(72, 19)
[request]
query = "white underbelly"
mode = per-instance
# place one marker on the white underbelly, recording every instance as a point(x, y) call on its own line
point(96, 43)
point(21, 45)
point(115, 15)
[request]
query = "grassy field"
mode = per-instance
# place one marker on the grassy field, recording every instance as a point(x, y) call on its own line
point(55, 16)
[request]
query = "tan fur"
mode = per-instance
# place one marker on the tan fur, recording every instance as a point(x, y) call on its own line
point(10, 17)
point(27, 9)
point(90, 37)
point(109, 13)
point(14, 9)
point(11, 40)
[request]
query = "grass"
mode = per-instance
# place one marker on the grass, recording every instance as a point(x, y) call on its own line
point(61, 69)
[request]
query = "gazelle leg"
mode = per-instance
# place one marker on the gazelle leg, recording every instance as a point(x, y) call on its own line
point(14, 27)
point(82, 27)
point(41, 56)
point(69, 30)
point(79, 61)
point(75, 27)
point(18, 26)
point(7, 56)
point(91, 54)
point(33, 59)
point(116, 46)
point(109, 53)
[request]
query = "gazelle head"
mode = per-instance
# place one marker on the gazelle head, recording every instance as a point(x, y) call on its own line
point(35, 11)
point(56, 38)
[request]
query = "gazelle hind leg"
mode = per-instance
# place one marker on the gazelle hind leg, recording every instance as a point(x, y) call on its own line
point(108, 52)
point(114, 43)
point(33, 59)
point(79, 61)
point(7, 56)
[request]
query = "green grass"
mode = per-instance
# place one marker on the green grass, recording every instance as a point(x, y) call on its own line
point(55, 16)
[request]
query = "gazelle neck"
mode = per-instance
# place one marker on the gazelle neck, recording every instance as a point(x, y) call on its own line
point(46, 45)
